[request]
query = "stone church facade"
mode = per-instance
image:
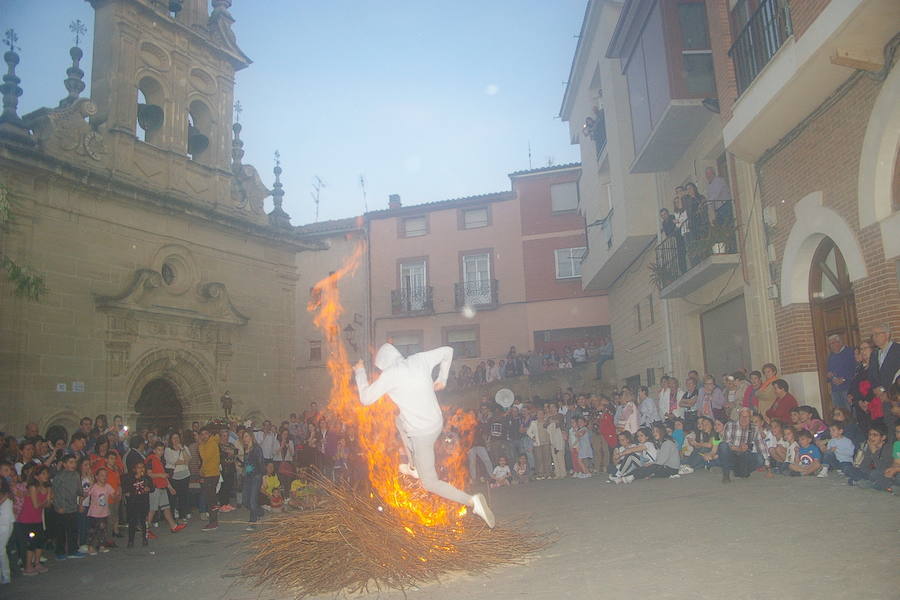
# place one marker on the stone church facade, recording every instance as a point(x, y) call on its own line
point(167, 283)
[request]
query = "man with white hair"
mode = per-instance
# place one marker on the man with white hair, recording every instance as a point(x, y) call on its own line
point(408, 383)
point(884, 365)
point(841, 369)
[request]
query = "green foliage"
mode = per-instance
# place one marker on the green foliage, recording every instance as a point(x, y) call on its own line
point(661, 275)
point(26, 282)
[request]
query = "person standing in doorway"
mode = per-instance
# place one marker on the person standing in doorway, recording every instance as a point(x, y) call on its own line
point(841, 368)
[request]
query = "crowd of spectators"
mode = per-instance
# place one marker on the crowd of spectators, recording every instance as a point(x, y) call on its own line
point(532, 362)
point(740, 423)
point(79, 494)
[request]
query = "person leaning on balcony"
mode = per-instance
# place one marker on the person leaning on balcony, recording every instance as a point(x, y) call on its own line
point(719, 195)
point(765, 393)
point(784, 402)
point(667, 223)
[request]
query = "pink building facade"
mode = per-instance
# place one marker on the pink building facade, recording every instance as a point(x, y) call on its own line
point(486, 272)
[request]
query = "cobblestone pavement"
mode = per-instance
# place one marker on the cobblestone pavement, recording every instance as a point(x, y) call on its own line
point(687, 538)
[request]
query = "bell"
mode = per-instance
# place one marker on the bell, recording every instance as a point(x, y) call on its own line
point(197, 142)
point(150, 117)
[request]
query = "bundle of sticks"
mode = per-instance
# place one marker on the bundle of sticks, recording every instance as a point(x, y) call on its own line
point(355, 543)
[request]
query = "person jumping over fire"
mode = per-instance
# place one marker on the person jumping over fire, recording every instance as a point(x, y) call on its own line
point(408, 383)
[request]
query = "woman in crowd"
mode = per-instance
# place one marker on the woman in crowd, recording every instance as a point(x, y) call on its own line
point(751, 400)
point(31, 518)
point(253, 473)
point(667, 459)
point(711, 400)
point(811, 421)
point(688, 403)
point(861, 386)
point(695, 203)
point(177, 459)
point(701, 447)
point(765, 394)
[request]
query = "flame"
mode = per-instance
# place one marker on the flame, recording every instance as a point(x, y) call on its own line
point(376, 430)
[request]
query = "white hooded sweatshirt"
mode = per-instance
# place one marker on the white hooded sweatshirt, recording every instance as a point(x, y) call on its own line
point(408, 383)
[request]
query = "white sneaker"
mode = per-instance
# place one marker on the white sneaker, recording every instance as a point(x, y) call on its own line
point(685, 470)
point(266, 507)
point(675, 476)
point(83, 548)
point(405, 469)
point(480, 507)
point(823, 472)
point(628, 479)
point(617, 480)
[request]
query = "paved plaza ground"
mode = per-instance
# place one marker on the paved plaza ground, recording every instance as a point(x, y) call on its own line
point(687, 538)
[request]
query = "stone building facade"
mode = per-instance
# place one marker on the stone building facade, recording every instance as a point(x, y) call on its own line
point(167, 283)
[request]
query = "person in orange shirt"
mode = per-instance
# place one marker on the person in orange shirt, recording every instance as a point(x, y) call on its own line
point(209, 472)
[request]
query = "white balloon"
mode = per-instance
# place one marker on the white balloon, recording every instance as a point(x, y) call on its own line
point(504, 397)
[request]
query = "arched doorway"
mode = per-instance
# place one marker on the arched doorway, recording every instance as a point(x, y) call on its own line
point(159, 406)
point(833, 308)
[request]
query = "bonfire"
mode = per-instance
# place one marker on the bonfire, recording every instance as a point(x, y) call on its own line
point(394, 534)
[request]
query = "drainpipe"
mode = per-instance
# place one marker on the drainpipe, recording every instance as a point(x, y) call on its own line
point(660, 194)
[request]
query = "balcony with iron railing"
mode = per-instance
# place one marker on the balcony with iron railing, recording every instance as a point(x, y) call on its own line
point(759, 39)
point(478, 294)
point(685, 264)
point(413, 301)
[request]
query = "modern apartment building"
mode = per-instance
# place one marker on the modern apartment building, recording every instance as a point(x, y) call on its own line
point(796, 107)
point(486, 272)
point(641, 101)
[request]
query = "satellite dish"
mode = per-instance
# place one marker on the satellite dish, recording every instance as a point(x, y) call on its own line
point(504, 397)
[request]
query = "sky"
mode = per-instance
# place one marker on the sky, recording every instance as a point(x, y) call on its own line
point(429, 100)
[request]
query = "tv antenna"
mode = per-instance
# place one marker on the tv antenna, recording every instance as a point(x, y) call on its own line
point(362, 185)
point(318, 184)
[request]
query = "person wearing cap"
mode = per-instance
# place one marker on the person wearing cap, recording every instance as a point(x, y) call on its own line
point(408, 383)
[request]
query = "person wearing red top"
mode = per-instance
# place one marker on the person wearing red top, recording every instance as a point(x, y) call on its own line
point(784, 402)
point(159, 498)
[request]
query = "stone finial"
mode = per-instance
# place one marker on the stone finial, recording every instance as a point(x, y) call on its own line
point(11, 124)
point(278, 217)
point(237, 147)
point(74, 81)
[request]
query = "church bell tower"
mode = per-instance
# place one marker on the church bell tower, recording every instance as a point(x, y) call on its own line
point(163, 77)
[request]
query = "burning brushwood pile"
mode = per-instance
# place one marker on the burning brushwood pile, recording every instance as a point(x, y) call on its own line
point(356, 544)
point(394, 534)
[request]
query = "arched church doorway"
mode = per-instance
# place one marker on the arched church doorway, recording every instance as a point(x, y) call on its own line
point(159, 406)
point(833, 308)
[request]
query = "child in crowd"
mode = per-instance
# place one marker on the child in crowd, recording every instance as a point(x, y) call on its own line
point(521, 471)
point(66, 501)
point(582, 453)
point(303, 495)
point(87, 480)
point(809, 457)
point(811, 422)
point(162, 487)
point(894, 470)
point(137, 488)
point(276, 501)
point(678, 433)
point(501, 474)
point(270, 483)
point(99, 496)
point(7, 520)
point(791, 447)
point(37, 497)
point(838, 452)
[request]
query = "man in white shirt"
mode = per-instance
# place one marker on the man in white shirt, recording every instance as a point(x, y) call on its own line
point(407, 382)
point(267, 440)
